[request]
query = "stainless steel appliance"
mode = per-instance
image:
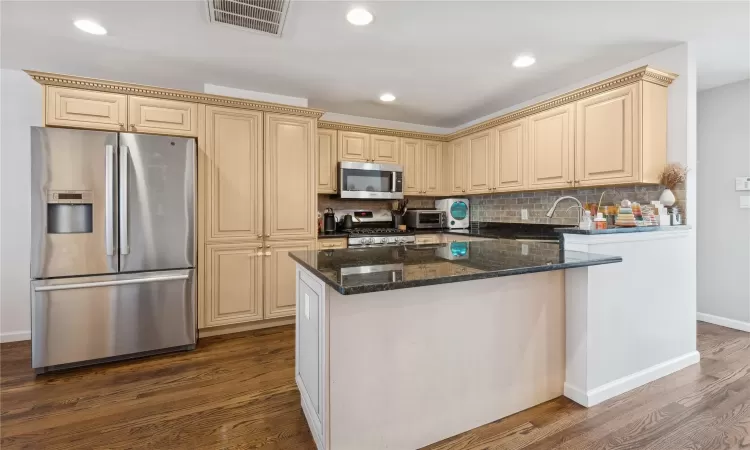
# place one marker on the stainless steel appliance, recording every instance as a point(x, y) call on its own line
point(425, 219)
point(370, 181)
point(113, 246)
point(456, 212)
point(382, 273)
point(374, 229)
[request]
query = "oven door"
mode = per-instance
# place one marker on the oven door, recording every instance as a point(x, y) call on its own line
point(370, 181)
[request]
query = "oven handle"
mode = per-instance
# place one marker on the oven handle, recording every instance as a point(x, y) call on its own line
point(393, 181)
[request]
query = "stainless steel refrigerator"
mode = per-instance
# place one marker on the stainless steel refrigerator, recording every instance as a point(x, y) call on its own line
point(112, 246)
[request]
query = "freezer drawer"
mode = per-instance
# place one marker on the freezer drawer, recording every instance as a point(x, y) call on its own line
point(75, 320)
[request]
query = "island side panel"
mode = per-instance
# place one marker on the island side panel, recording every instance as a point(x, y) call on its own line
point(413, 366)
point(636, 319)
point(311, 354)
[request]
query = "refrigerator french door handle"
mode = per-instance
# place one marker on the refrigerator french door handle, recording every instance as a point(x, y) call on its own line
point(109, 202)
point(62, 287)
point(124, 159)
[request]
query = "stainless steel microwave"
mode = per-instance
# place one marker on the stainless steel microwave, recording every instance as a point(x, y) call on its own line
point(371, 181)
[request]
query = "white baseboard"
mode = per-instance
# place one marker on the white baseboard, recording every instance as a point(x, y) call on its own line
point(626, 383)
point(724, 322)
point(14, 336)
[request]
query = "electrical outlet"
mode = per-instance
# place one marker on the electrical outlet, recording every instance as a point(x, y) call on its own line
point(524, 249)
point(745, 201)
point(524, 214)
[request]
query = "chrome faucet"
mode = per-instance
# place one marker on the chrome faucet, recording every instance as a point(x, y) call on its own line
point(551, 211)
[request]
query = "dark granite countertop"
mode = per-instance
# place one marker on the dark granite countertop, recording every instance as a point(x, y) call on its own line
point(334, 234)
point(621, 230)
point(501, 230)
point(374, 269)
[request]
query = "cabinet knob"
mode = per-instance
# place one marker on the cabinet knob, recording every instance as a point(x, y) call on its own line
point(132, 127)
point(268, 253)
point(268, 235)
point(122, 126)
point(570, 181)
point(260, 236)
point(258, 254)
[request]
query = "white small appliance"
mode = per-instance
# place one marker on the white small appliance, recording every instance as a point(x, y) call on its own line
point(456, 212)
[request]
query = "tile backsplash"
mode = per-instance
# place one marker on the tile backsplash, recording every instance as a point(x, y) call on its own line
point(507, 207)
point(326, 201)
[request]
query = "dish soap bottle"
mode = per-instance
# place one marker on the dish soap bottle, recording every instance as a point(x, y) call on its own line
point(586, 223)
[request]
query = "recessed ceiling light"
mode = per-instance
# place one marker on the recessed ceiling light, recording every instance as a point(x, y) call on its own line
point(90, 27)
point(524, 60)
point(387, 97)
point(359, 16)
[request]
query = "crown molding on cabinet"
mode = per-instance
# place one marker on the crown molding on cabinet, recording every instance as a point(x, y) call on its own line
point(378, 130)
point(53, 79)
point(644, 73)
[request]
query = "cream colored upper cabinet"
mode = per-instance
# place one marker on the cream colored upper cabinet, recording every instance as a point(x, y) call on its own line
point(384, 149)
point(234, 176)
point(326, 162)
point(66, 107)
point(354, 146)
point(480, 162)
point(290, 208)
point(411, 150)
point(156, 115)
point(551, 148)
point(608, 137)
point(233, 284)
point(510, 156)
point(280, 275)
point(432, 164)
point(458, 161)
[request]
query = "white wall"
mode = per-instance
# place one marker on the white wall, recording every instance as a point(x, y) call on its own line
point(20, 108)
point(216, 89)
point(724, 228)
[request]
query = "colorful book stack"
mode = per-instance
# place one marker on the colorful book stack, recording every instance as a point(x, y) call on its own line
point(625, 218)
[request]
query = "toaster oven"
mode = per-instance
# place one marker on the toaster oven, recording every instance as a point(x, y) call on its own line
point(425, 218)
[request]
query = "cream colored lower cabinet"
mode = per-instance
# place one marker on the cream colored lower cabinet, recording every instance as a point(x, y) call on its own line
point(332, 243)
point(428, 239)
point(233, 284)
point(279, 287)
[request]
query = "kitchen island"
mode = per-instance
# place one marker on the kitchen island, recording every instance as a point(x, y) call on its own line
point(399, 347)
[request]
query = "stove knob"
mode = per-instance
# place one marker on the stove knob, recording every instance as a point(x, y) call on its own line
point(400, 240)
point(367, 240)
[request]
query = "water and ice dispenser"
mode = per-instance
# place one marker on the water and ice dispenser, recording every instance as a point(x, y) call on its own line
point(69, 212)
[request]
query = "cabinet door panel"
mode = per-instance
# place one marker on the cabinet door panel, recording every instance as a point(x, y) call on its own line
point(234, 179)
point(290, 200)
point(384, 149)
point(354, 146)
point(509, 157)
point(86, 109)
point(551, 144)
point(326, 163)
point(458, 159)
point(432, 163)
point(280, 277)
point(156, 115)
point(480, 162)
point(412, 159)
point(233, 287)
point(607, 136)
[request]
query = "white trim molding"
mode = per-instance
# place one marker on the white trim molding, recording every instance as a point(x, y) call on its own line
point(632, 381)
point(724, 322)
point(15, 336)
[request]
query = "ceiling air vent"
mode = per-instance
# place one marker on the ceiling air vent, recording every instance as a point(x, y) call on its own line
point(264, 16)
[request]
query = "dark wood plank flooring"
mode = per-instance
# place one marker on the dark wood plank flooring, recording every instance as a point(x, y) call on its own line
point(238, 391)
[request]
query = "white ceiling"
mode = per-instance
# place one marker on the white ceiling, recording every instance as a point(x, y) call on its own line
point(447, 62)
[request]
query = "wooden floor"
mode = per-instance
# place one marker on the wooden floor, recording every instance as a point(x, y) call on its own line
point(238, 391)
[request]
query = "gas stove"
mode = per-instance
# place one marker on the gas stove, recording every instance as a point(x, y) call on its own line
point(374, 228)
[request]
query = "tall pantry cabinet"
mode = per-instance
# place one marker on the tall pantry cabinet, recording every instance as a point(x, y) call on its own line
point(257, 173)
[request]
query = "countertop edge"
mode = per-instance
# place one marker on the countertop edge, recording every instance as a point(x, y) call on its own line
point(624, 230)
point(450, 279)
